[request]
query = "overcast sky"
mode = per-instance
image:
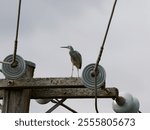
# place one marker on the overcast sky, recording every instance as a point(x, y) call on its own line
point(48, 24)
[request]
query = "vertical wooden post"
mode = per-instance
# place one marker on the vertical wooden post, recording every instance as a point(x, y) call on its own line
point(18, 100)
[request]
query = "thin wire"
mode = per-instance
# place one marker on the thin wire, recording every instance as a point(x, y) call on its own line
point(17, 32)
point(96, 108)
point(16, 39)
point(3, 62)
point(100, 54)
point(104, 41)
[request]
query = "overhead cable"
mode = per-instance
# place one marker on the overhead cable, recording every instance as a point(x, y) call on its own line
point(101, 52)
point(17, 32)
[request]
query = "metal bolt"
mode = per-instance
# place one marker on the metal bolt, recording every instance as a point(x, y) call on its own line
point(10, 82)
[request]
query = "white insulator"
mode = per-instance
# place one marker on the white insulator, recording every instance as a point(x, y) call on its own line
point(89, 81)
point(43, 101)
point(126, 107)
point(136, 106)
point(14, 72)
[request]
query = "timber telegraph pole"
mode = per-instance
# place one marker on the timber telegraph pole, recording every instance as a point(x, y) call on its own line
point(16, 94)
point(18, 100)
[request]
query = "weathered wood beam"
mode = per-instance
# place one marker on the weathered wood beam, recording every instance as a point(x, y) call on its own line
point(55, 88)
point(41, 83)
point(70, 93)
point(73, 93)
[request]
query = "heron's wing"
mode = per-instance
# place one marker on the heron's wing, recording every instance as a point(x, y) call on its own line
point(76, 59)
point(80, 59)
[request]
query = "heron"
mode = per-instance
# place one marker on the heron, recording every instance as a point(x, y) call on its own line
point(76, 59)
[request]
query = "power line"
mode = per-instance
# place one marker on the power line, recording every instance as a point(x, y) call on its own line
point(17, 32)
point(100, 54)
point(14, 63)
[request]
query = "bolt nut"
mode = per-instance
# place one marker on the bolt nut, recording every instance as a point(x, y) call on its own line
point(10, 82)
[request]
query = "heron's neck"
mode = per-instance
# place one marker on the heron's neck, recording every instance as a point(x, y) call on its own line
point(71, 49)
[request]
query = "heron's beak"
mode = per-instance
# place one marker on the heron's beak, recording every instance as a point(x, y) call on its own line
point(64, 47)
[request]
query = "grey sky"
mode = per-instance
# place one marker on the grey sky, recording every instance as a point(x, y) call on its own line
point(48, 24)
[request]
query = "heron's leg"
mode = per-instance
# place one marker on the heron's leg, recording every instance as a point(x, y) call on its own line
point(78, 72)
point(72, 70)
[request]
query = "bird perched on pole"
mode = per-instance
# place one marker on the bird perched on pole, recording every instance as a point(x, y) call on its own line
point(76, 59)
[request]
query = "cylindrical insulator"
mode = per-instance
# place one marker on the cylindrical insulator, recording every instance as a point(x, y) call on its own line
point(12, 72)
point(126, 107)
point(89, 80)
point(136, 106)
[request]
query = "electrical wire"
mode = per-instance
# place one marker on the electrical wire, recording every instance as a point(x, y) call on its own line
point(96, 107)
point(3, 62)
point(13, 63)
point(100, 54)
point(17, 32)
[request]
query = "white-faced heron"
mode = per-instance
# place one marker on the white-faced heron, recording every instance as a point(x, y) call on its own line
point(76, 58)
